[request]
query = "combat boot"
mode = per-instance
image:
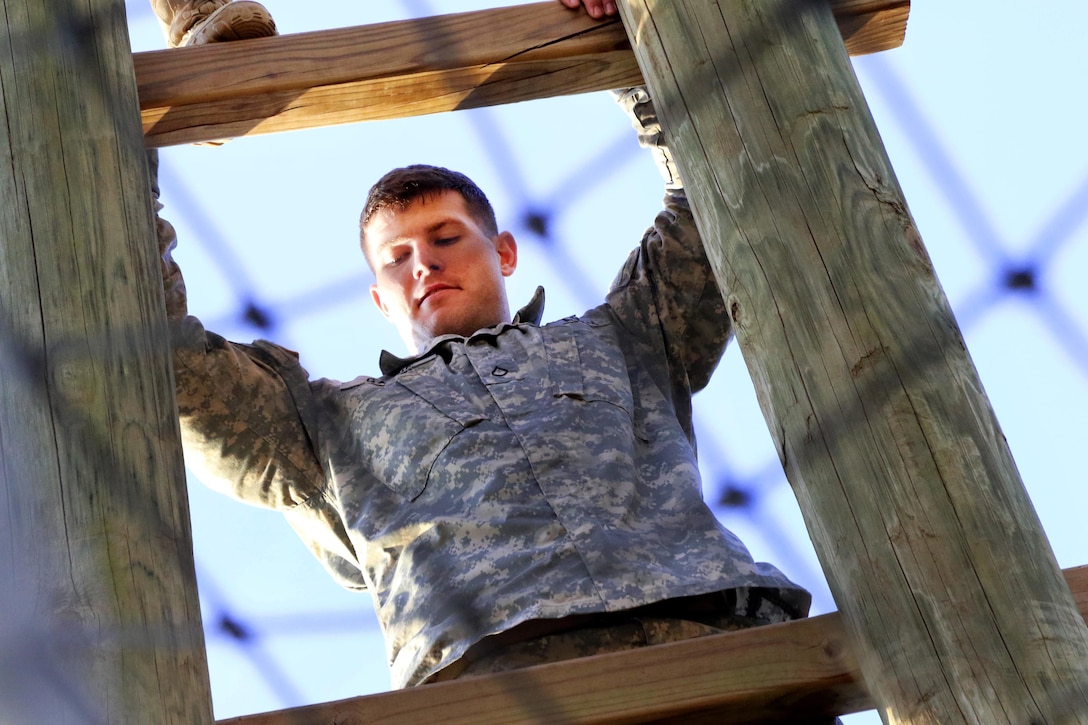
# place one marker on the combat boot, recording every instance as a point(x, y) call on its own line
point(199, 22)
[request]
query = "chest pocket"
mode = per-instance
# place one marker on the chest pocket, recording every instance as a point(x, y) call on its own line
point(418, 417)
point(586, 363)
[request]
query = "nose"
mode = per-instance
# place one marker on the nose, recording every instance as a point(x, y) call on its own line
point(426, 261)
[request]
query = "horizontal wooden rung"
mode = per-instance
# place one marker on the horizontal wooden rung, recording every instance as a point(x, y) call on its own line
point(413, 67)
point(764, 675)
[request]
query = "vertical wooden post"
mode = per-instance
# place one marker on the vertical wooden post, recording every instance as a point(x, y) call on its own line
point(97, 586)
point(932, 548)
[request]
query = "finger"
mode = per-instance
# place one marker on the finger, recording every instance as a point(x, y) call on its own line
point(595, 8)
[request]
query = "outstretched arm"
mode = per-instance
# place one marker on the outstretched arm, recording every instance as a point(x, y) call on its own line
point(241, 423)
point(595, 8)
point(667, 289)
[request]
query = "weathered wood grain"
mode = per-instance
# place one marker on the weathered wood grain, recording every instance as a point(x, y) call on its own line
point(101, 622)
point(937, 560)
point(414, 67)
point(754, 676)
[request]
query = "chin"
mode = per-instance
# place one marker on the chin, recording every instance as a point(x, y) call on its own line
point(424, 333)
point(450, 324)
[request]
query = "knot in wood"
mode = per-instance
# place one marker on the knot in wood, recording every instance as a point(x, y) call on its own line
point(74, 380)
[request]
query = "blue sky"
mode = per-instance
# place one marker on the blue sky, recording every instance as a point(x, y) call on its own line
point(981, 114)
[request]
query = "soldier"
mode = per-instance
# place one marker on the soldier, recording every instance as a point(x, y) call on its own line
point(510, 492)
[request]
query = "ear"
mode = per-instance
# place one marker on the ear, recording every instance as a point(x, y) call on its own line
point(377, 298)
point(507, 247)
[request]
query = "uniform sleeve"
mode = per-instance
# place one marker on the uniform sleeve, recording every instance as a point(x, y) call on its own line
point(240, 426)
point(244, 428)
point(666, 294)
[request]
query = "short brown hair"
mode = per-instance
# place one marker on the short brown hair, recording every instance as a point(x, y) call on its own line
point(400, 187)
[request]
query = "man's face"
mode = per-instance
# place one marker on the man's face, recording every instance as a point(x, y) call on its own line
point(437, 272)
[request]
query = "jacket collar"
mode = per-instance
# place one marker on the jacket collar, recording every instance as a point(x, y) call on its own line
point(530, 314)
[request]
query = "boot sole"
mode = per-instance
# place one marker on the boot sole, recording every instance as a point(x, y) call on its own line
point(242, 20)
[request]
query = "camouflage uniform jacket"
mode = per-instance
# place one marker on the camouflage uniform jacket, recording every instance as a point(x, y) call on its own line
point(527, 472)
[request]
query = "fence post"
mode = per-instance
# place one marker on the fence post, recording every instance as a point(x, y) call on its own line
point(101, 622)
point(936, 558)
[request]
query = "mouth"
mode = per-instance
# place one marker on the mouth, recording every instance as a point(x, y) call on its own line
point(432, 290)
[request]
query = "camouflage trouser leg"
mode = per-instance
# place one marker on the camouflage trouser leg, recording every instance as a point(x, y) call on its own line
point(583, 642)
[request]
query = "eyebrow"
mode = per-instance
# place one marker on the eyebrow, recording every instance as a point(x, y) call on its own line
point(431, 229)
